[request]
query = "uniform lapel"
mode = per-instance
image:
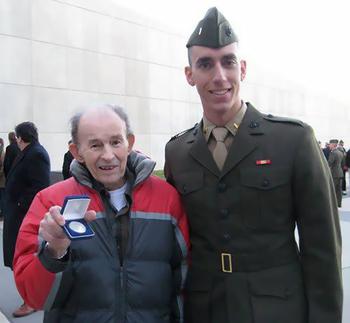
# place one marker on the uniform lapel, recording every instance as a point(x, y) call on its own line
point(244, 142)
point(199, 150)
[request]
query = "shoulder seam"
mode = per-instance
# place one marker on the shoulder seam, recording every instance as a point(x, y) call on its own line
point(270, 117)
point(182, 133)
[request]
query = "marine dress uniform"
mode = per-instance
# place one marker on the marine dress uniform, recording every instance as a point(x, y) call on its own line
point(246, 266)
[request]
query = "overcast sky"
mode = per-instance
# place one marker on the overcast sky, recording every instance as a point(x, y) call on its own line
point(305, 41)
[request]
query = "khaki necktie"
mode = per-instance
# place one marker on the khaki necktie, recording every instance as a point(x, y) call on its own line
point(220, 150)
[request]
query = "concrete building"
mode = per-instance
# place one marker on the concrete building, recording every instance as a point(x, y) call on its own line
point(59, 55)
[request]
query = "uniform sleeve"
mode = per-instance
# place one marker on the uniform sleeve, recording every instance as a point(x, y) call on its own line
point(319, 232)
point(180, 257)
point(35, 283)
point(167, 172)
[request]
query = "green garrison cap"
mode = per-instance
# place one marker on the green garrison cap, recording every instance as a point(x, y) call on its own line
point(212, 31)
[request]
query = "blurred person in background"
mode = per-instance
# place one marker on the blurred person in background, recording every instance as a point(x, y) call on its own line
point(29, 173)
point(326, 150)
point(11, 153)
point(345, 168)
point(336, 161)
point(2, 175)
point(67, 159)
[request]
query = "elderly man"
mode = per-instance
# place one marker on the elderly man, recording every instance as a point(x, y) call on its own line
point(246, 180)
point(133, 268)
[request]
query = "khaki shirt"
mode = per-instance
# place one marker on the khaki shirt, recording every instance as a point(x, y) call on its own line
point(232, 127)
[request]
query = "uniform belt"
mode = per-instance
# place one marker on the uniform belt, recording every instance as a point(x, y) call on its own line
point(228, 262)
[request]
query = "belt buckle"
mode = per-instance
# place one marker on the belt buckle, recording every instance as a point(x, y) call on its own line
point(226, 258)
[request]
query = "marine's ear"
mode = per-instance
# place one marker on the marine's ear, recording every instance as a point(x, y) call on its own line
point(188, 73)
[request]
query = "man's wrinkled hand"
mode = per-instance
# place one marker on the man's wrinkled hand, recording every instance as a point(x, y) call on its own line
point(51, 231)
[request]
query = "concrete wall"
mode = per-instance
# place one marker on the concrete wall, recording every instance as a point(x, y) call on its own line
point(58, 55)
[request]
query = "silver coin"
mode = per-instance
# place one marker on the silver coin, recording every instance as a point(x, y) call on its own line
point(77, 227)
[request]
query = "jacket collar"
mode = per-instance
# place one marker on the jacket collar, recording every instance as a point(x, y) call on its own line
point(139, 168)
point(243, 144)
point(232, 126)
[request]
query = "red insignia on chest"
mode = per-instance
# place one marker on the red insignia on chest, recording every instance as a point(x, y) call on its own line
point(263, 162)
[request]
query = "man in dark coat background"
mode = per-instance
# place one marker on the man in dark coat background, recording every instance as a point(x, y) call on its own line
point(67, 159)
point(246, 181)
point(326, 150)
point(345, 169)
point(11, 152)
point(29, 174)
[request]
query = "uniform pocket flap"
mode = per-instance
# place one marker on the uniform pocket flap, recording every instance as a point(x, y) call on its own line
point(265, 288)
point(189, 182)
point(264, 178)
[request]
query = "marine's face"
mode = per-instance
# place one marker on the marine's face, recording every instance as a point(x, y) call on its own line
point(217, 74)
point(103, 147)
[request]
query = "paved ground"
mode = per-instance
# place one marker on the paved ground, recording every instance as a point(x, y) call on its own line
point(10, 299)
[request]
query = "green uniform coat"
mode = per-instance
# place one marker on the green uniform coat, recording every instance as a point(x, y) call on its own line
point(274, 177)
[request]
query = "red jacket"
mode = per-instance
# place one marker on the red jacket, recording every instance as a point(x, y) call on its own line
point(148, 284)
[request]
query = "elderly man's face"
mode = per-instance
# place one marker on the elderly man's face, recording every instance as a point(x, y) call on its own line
point(217, 74)
point(103, 146)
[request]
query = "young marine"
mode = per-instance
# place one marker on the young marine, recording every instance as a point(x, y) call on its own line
point(247, 180)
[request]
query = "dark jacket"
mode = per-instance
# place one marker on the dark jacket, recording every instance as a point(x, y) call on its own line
point(326, 152)
point(246, 266)
point(2, 175)
point(94, 283)
point(28, 175)
point(347, 159)
point(67, 159)
point(12, 151)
